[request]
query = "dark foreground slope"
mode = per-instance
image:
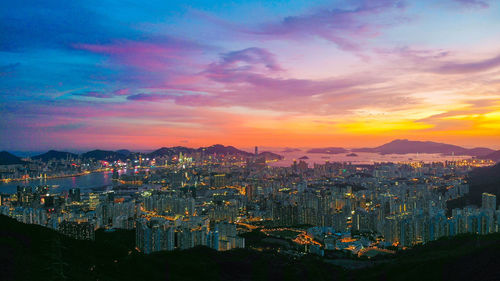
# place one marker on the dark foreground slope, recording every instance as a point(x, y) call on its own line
point(467, 257)
point(29, 252)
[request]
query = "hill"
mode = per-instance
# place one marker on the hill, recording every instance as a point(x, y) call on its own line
point(30, 252)
point(53, 154)
point(495, 156)
point(224, 150)
point(465, 257)
point(270, 156)
point(218, 149)
point(104, 155)
point(170, 151)
point(7, 158)
point(486, 179)
point(124, 152)
point(328, 150)
point(407, 146)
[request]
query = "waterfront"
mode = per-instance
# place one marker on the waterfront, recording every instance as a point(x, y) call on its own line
point(84, 182)
point(361, 158)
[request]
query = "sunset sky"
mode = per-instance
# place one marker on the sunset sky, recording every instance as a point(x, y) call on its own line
point(146, 74)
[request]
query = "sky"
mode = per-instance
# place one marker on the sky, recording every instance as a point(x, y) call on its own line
point(145, 74)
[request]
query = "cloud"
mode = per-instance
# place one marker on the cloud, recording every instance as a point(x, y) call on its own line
point(252, 78)
point(439, 61)
point(461, 68)
point(122, 92)
point(251, 56)
point(346, 27)
point(94, 94)
point(31, 24)
point(148, 97)
point(8, 68)
point(65, 127)
point(473, 3)
point(143, 55)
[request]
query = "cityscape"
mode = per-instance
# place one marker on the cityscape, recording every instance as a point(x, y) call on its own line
point(250, 140)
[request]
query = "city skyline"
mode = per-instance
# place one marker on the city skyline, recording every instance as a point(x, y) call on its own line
point(282, 73)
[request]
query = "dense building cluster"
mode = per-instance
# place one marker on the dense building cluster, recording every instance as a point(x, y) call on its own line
point(196, 200)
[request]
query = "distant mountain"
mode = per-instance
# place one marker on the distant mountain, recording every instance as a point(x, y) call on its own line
point(105, 155)
point(7, 158)
point(225, 150)
point(170, 151)
point(53, 154)
point(328, 150)
point(406, 146)
point(218, 149)
point(495, 156)
point(124, 152)
point(270, 156)
point(288, 150)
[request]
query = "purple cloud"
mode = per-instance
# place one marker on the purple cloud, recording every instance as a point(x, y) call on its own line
point(251, 56)
point(344, 27)
point(459, 68)
point(473, 3)
point(121, 92)
point(148, 97)
point(94, 94)
point(252, 78)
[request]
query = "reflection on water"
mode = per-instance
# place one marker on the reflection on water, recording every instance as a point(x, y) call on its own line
point(97, 180)
point(85, 182)
point(361, 158)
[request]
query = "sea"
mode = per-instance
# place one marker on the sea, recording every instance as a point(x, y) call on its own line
point(103, 180)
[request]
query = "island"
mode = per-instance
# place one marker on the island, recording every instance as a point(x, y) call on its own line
point(328, 150)
point(288, 150)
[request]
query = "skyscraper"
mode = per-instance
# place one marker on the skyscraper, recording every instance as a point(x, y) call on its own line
point(489, 201)
point(74, 194)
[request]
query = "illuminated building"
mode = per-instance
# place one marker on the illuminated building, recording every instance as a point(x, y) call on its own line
point(489, 201)
point(219, 180)
point(74, 195)
point(77, 230)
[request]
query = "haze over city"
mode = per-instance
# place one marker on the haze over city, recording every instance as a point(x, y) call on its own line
point(99, 74)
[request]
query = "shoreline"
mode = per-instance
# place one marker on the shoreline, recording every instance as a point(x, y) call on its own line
point(3, 181)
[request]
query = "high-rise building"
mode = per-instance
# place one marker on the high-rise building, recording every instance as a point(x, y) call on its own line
point(77, 230)
point(74, 194)
point(489, 201)
point(219, 180)
point(256, 151)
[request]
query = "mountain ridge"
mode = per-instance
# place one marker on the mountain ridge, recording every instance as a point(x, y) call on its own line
point(54, 154)
point(405, 146)
point(7, 158)
point(398, 146)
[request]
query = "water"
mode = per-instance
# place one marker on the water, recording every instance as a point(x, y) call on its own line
point(85, 183)
point(97, 180)
point(362, 158)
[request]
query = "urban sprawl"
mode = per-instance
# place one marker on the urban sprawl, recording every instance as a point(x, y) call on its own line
point(187, 200)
